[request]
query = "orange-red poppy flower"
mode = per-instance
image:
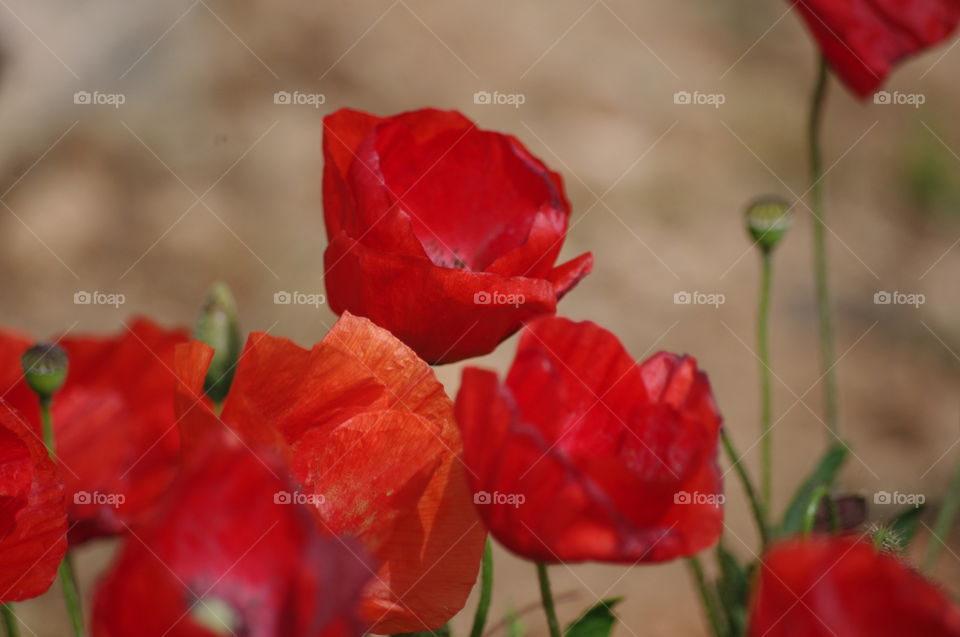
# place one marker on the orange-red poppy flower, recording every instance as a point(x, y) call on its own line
point(115, 430)
point(585, 454)
point(445, 234)
point(828, 586)
point(33, 514)
point(370, 435)
point(231, 553)
point(864, 39)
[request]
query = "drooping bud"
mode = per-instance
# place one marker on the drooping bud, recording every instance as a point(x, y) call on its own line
point(218, 328)
point(217, 616)
point(768, 220)
point(45, 368)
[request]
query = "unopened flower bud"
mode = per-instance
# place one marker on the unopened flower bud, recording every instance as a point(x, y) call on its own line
point(218, 328)
point(45, 368)
point(768, 219)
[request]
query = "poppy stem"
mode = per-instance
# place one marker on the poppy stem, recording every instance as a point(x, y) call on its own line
point(766, 380)
point(813, 507)
point(756, 505)
point(827, 351)
point(706, 595)
point(486, 591)
point(10, 620)
point(547, 596)
point(945, 519)
point(67, 581)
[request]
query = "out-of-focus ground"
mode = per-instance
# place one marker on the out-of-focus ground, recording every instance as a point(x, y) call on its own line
point(199, 175)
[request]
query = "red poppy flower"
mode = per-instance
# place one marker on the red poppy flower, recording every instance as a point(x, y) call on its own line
point(826, 586)
point(231, 552)
point(33, 513)
point(584, 454)
point(115, 429)
point(370, 436)
point(864, 39)
point(442, 233)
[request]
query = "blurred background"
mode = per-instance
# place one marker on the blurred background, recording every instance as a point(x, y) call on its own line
point(144, 154)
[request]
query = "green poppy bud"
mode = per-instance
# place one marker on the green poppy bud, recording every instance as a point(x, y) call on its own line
point(45, 368)
point(768, 219)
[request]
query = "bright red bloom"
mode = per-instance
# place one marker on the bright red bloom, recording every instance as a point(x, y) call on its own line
point(231, 551)
point(864, 39)
point(116, 436)
point(442, 233)
point(33, 513)
point(584, 454)
point(826, 586)
point(369, 433)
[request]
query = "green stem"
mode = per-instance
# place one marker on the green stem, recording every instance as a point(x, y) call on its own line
point(486, 591)
point(766, 381)
point(547, 596)
point(9, 620)
point(706, 596)
point(759, 512)
point(944, 522)
point(827, 351)
point(67, 581)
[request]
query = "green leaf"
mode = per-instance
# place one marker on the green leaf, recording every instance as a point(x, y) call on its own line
point(732, 589)
point(597, 621)
point(823, 474)
point(905, 524)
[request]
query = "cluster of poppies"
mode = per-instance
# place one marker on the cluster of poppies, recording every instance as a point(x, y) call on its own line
point(269, 490)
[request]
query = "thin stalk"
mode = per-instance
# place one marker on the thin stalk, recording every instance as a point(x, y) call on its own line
point(486, 591)
point(813, 507)
point(547, 596)
point(9, 620)
point(766, 380)
point(756, 505)
point(706, 596)
point(67, 581)
point(825, 313)
point(944, 522)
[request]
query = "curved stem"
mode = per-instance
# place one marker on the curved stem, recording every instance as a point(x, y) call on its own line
point(9, 620)
point(486, 591)
point(827, 352)
point(67, 581)
point(706, 596)
point(759, 512)
point(766, 381)
point(547, 596)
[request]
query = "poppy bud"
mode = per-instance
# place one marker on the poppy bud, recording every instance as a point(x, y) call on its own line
point(218, 328)
point(45, 368)
point(768, 219)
